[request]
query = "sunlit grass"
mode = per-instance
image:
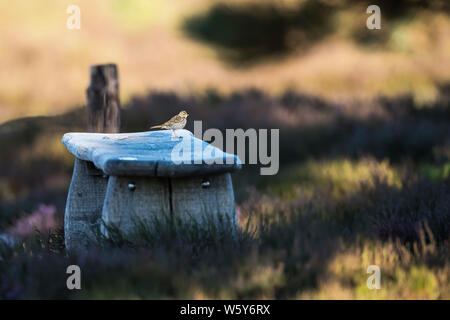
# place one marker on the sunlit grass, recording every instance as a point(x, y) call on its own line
point(309, 232)
point(299, 255)
point(436, 172)
point(339, 177)
point(45, 65)
point(404, 274)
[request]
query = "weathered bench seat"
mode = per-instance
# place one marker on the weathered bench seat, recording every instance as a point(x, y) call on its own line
point(122, 178)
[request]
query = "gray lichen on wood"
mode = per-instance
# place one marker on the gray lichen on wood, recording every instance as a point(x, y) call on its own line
point(164, 199)
point(124, 208)
point(84, 205)
point(149, 153)
point(144, 182)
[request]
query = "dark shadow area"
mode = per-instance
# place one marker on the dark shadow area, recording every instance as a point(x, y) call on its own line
point(310, 128)
point(296, 239)
point(392, 128)
point(258, 31)
point(294, 245)
point(249, 33)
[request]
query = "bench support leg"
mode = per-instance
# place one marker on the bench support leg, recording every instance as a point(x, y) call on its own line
point(84, 206)
point(130, 201)
point(204, 199)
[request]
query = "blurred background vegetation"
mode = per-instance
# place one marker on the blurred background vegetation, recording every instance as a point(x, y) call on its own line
point(364, 124)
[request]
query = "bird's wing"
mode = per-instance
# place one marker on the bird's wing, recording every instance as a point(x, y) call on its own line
point(172, 120)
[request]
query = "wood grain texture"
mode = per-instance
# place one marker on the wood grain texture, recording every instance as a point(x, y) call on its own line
point(191, 200)
point(145, 182)
point(84, 205)
point(125, 209)
point(183, 198)
point(103, 103)
point(153, 153)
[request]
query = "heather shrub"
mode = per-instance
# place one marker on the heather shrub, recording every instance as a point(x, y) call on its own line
point(358, 185)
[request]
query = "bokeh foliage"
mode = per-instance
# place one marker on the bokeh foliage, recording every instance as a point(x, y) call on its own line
point(252, 31)
point(357, 186)
point(364, 144)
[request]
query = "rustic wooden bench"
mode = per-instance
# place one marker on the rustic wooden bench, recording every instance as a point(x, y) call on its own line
point(120, 177)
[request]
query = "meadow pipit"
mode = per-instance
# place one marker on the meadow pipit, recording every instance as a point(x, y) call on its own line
point(175, 123)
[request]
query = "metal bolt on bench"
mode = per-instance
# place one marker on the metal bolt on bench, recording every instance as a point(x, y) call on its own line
point(120, 177)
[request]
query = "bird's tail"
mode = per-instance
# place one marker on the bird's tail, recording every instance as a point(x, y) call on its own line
point(155, 127)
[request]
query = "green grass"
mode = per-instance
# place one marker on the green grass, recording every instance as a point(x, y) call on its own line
point(298, 249)
point(352, 191)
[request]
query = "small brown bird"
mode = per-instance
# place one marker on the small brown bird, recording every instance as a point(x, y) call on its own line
point(175, 123)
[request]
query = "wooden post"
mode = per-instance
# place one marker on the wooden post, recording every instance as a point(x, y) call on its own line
point(103, 99)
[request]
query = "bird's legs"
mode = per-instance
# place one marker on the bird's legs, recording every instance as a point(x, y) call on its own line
point(175, 134)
